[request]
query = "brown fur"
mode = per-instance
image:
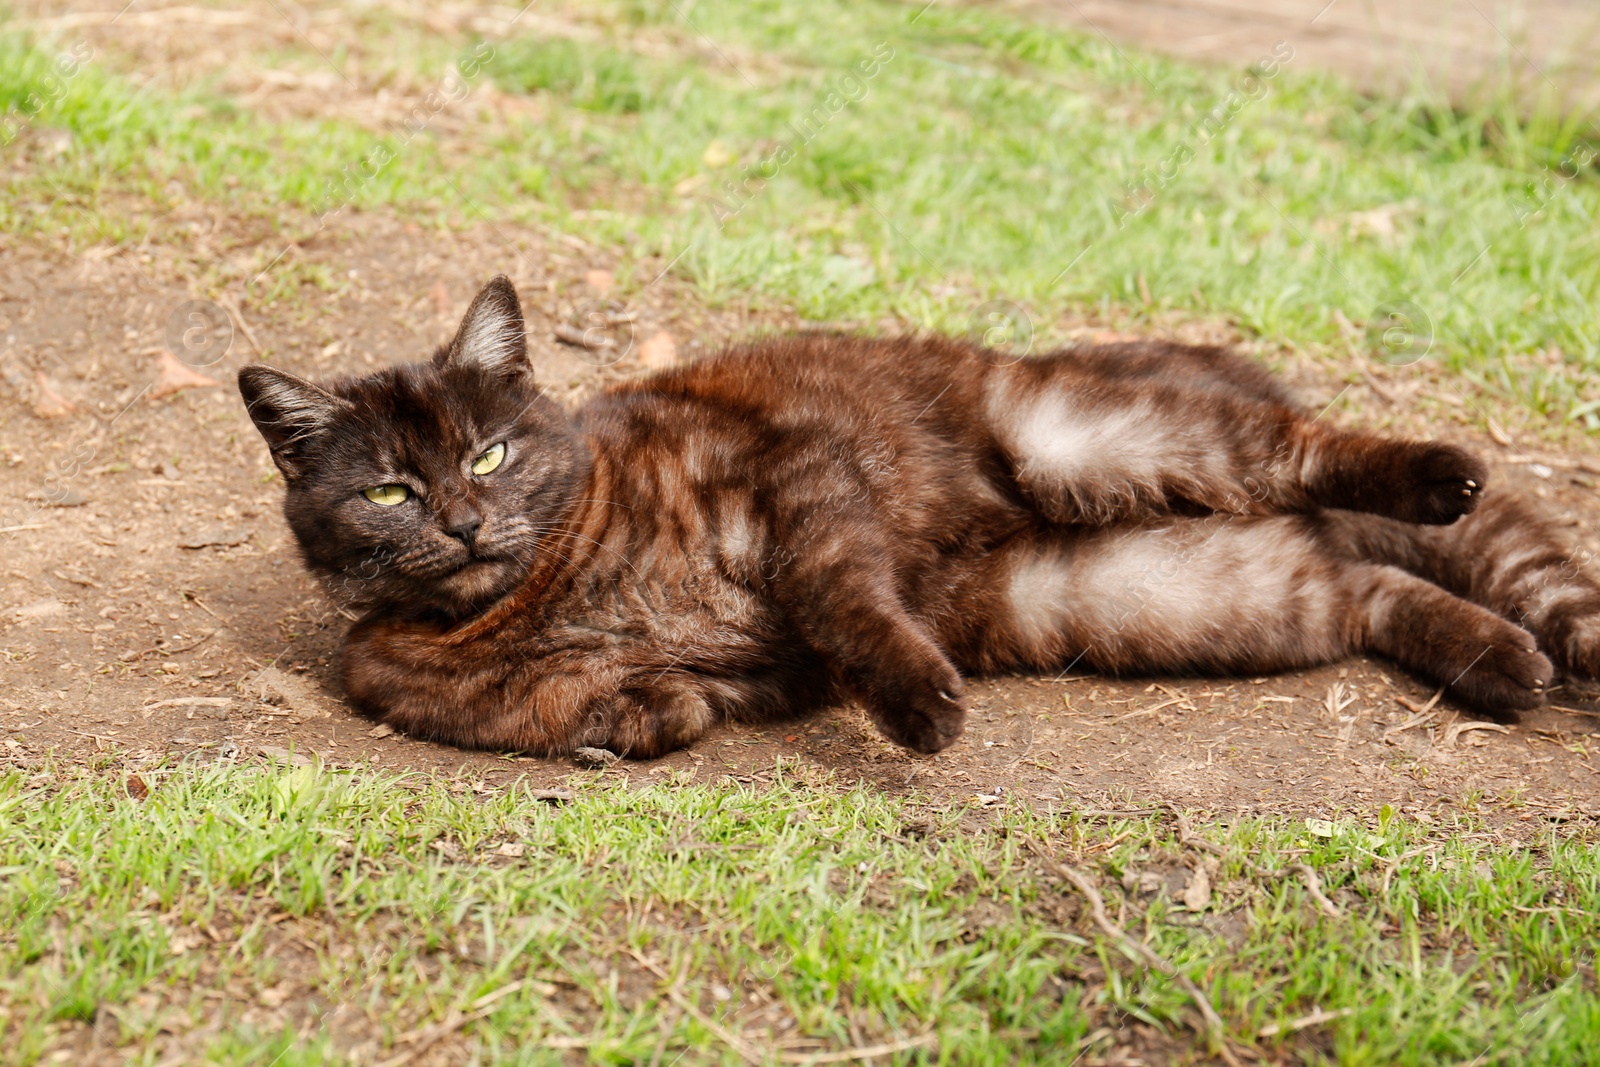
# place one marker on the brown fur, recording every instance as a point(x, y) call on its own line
point(800, 519)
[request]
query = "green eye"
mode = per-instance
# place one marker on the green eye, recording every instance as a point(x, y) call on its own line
point(387, 495)
point(489, 460)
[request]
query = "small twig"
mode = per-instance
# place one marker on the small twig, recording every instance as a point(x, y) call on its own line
point(1457, 729)
point(1426, 707)
point(201, 604)
point(666, 1034)
point(1392, 865)
point(1314, 887)
point(97, 738)
point(1421, 714)
point(1147, 711)
point(1113, 813)
point(1559, 462)
point(1574, 711)
point(244, 327)
point(865, 1052)
point(208, 635)
point(1551, 911)
point(729, 1038)
point(196, 643)
point(1138, 949)
point(579, 338)
point(1316, 1018)
point(1377, 387)
point(428, 1036)
point(191, 702)
point(1187, 836)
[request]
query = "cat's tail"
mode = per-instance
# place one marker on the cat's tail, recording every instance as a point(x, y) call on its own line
point(1509, 556)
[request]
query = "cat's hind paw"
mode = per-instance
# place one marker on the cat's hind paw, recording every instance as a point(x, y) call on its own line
point(1574, 645)
point(1508, 676)
point(1438, 483)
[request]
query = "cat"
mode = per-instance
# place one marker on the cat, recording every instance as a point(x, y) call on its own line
point(804, 519)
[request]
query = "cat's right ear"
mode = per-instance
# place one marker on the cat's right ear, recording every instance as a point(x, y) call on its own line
point(492, 336)
point(288, 411)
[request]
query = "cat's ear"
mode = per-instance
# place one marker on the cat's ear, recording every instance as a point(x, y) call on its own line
point(492, 336)
point(288, 411)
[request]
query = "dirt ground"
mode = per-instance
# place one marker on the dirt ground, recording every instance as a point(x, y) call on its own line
point(154, 608)
point(1540, 49)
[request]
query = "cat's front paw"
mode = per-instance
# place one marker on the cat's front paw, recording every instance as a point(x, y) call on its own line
point(1438, 483)
point(1508, 676)
point(925, 716)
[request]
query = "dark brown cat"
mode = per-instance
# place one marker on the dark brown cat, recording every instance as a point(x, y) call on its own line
point(797, 520)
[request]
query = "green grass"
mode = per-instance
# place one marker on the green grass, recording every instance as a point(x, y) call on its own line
point(368, 907)
point(983, 157)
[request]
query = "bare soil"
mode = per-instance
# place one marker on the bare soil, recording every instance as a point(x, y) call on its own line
point(152, 606)
point(1539, 49)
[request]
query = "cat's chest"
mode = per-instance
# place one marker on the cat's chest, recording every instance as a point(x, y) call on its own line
point(673, 596)
point(665, 596)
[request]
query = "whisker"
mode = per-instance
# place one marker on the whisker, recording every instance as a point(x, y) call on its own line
point(620, 557)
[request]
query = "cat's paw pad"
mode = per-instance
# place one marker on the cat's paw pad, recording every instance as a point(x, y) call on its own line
point(1439, 483)
point(927, 719)
point(1508, 676)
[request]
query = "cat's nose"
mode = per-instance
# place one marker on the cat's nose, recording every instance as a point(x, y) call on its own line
point(464, 526)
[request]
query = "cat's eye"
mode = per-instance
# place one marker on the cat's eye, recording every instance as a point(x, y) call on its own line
point(489, 460)
point(387, 495)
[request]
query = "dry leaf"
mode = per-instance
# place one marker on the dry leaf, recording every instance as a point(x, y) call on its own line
point(279, 754)
point(381, 730)
point(594, 757)
point(177, 376)
point(40, 609)
point(50, 404)
point(58, 498)
point(689, 184)
point(599, 280)
point(1197, 894)
point(1498, 432)
point(183, 941)
point(659, 352)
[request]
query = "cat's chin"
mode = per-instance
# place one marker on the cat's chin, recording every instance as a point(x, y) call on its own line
point(477, 584)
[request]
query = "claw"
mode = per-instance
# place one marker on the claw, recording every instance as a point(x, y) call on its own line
point(1471, 484)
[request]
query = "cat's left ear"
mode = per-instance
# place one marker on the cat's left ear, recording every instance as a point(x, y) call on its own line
point(492, 336)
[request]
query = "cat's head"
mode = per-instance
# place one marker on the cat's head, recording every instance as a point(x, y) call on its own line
point(426, 487)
